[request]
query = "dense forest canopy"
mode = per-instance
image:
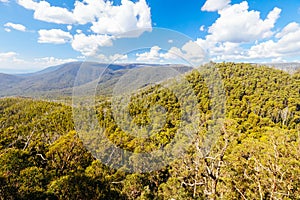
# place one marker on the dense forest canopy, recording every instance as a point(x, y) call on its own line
point(255, 156)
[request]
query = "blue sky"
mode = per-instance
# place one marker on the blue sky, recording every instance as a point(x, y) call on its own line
point(37, 34)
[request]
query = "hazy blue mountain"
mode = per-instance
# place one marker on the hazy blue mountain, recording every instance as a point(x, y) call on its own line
point(8, 81)
point(48, 69)
point(59, 80)
point(289, 67)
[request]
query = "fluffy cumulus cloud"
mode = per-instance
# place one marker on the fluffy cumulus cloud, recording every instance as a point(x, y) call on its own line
point(4, 1)
point(118, 58)
point(121, 19)
point(150, 56)
point(88, 45)
point(89, 10)
point(106, 21)
point(103, 15)
point(215, 50)
point(55, 36)
point(237, 27)
point(190, 52)
point(18, 27)
point(287, 43)
point(214, 5)
point(45, 12)
point(156, 54)
point(237, 24)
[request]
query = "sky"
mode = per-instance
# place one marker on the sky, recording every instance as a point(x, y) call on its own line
point(37, 34)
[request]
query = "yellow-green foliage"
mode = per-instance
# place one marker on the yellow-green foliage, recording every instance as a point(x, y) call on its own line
point(255, 155)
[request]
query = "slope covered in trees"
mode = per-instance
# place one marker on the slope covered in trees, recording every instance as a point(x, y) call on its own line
point(56, 81)
point(256, 154)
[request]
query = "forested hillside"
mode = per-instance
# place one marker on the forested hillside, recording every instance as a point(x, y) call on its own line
point(256, 154)
point(57, 81)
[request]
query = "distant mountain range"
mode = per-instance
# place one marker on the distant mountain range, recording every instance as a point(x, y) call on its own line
point(289, 67)
point(59, 80)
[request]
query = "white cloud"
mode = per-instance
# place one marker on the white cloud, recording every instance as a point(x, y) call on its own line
point(104, 16)
point(190, 52)
point(7, 30)
point(202, 28)
point(237, 28)
point(7, 55)
point(18, 27)
point(290, 28)
point(106, 21)
point(172, 54)
point(52, 61)
point(116, 58)
point(45, 12)
point(214, 5)
point(4, 1)
point(287, 44)
point(278, 60)
point(88, 10)
point(89, 45)
point(156, 54)
point(11, 62)
point(55, 36)
point(143, 14)
point(218, 48)
point(69, 27)
point(12, 57)
point(236, 24)
point(28, 4)
point(121, 19)
point(102, 58)
point(151, 56)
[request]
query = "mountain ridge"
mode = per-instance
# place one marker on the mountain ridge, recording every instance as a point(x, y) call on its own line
point(60, 79)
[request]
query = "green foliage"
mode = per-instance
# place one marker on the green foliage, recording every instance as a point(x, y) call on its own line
point(255, 155)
